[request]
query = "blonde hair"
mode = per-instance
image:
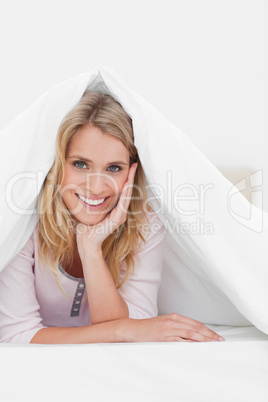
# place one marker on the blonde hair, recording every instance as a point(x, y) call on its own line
point(56, 233)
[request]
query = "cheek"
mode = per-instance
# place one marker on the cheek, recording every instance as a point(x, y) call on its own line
point(70, 184)
point(119, 184)
point(70, 177)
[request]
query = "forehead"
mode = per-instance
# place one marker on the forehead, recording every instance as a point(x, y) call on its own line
point(94, 144)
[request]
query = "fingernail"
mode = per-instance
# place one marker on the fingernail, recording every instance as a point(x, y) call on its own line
point(221, 339)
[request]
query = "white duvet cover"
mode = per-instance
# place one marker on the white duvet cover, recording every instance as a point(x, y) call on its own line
point(232, 371)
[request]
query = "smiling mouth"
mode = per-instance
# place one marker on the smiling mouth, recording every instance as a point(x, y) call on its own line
point(92, 203)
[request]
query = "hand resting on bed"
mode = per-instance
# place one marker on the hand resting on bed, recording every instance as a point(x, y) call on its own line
point(168, 328)
point(165, 328)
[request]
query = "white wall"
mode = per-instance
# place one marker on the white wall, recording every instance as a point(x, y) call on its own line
point(200, 62)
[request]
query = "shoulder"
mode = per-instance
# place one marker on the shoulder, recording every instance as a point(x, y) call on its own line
point(152, 228)
point(23, 260)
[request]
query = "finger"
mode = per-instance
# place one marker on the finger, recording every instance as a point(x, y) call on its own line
point(132, 172)
point(188, 332)
point(191, 335)
point(125, 196)
point(128, 187)
point(197, 337)
point(178, 339)
point(130, 180)
point(196, 325)
point(210, 334)
point(202, 329)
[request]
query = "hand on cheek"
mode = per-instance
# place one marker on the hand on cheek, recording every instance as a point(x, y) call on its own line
point(90, 238)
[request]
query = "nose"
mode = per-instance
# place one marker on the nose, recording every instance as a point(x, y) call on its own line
point(96, 184)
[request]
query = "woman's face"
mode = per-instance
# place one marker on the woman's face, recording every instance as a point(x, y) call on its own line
point(96, 169)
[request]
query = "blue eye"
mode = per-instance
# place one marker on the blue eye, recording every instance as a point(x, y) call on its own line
point(79, 165)
point(82, 165)
point(116, 167)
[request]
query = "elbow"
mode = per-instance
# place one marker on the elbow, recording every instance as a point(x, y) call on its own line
point(100, 316)
point(25, 336)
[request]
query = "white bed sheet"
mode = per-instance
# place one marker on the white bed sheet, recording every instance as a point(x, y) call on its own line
point(234, 370)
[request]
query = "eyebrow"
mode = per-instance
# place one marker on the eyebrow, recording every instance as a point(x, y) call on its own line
point(90, 161)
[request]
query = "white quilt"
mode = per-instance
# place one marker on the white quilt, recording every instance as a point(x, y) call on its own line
point(232, 371)
point(216, 273)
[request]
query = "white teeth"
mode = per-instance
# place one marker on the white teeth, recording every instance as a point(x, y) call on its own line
point(91, 202)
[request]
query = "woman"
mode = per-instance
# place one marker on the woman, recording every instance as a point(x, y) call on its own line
point(92, 268)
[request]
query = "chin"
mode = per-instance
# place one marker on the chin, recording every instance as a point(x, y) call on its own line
point(90, 220)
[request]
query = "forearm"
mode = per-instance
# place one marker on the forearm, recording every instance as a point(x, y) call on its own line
point(106, 332)
point(105, 302)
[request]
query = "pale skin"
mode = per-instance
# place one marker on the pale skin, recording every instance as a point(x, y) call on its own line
point(90, 172)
